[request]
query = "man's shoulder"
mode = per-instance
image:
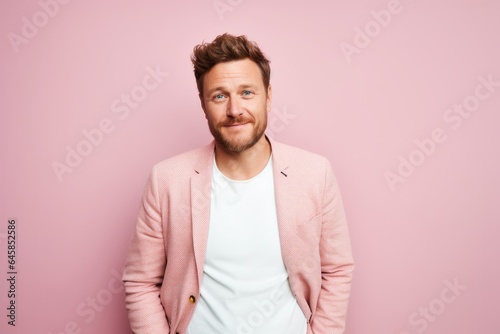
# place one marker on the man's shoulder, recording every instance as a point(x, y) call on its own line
point(308, 169)
point(184, 161)
point(298, 155)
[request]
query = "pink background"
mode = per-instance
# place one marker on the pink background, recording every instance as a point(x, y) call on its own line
point(363, 111)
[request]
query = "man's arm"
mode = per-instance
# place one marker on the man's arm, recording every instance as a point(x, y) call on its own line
point(337, 263)
point(145, 267)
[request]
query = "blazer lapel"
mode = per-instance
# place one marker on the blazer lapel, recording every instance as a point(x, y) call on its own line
point(286, 206)
point(201, 186)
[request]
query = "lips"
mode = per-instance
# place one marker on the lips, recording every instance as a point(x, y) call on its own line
point(235, 124)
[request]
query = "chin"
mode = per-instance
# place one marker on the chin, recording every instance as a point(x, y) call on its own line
point(237, 145)
point(237, 142)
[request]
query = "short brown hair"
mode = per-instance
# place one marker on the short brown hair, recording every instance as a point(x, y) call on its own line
point(226, 48)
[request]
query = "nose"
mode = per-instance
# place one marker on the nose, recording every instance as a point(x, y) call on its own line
point(234, 107)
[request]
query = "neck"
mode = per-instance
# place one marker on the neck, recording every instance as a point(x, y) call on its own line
point(246, 164)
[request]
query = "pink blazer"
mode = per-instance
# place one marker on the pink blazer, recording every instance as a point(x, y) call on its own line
point(167, 253)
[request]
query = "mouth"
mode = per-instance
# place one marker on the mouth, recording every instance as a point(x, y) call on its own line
point(235, 125)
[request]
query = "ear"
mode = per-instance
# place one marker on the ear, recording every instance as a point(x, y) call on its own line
point(269, 98)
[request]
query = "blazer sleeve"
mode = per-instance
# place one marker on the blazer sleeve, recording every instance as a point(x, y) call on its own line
point(145, 266)
point(337, 263)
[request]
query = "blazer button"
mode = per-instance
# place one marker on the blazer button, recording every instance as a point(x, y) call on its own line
point(192, 299)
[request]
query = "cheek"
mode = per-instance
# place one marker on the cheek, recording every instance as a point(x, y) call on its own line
point(214, 112)
point(257, 108)
point(217, 118)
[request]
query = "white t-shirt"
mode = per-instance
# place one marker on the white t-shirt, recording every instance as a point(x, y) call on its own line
point(245, 289)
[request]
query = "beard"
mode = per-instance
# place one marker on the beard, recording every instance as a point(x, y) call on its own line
point(236, 145)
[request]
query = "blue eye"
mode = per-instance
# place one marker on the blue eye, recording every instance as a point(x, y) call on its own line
point(247, 93)
point(218, 96)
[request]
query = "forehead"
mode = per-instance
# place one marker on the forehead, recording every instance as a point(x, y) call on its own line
point(236, 72)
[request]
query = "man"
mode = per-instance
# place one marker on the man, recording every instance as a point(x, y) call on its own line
point(244, 235)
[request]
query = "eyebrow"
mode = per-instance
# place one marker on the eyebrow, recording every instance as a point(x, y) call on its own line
point(211, 91)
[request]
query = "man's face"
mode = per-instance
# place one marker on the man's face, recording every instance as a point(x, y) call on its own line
point(236, 104)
